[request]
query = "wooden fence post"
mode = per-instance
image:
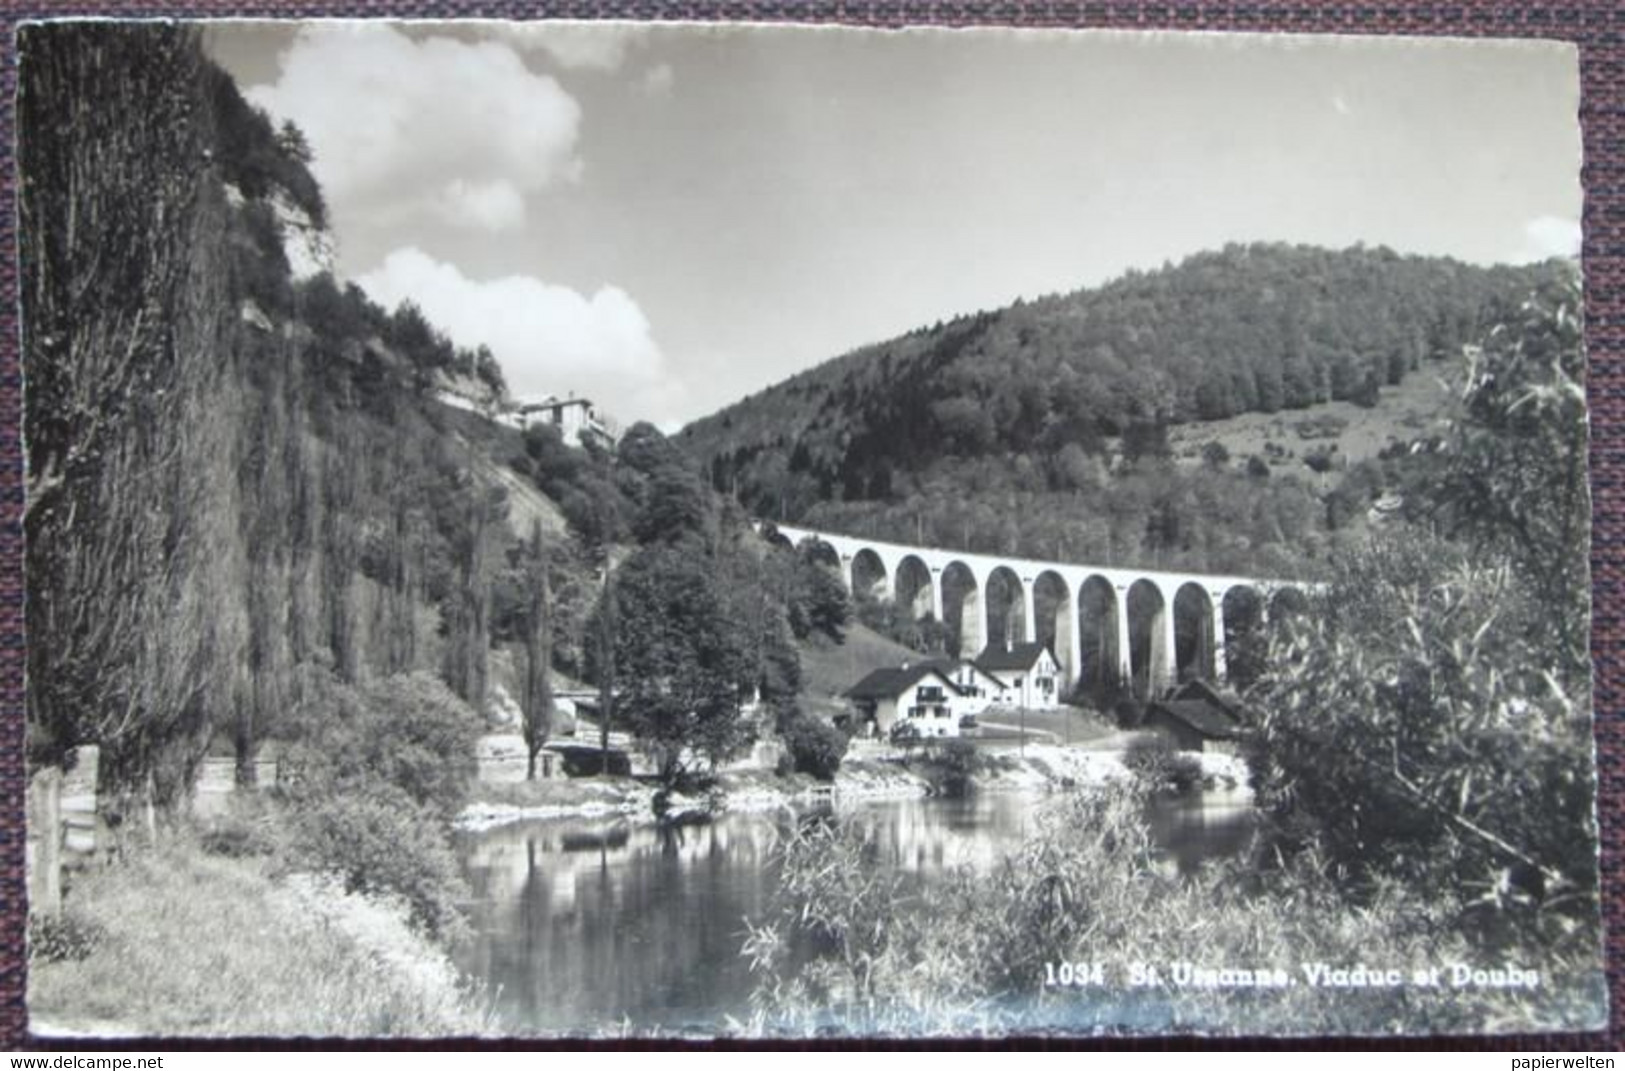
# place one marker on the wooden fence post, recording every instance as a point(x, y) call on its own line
point(44, 855)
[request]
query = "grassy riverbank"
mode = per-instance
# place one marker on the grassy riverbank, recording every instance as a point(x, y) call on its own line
point(1086, 930)
point(184, 943)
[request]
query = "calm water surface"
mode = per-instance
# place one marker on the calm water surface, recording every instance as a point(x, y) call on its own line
point(585, 925)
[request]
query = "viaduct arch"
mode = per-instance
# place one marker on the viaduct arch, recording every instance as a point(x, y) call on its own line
point(1148, 626)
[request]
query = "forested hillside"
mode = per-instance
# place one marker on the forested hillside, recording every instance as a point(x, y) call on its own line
point(1042, 428)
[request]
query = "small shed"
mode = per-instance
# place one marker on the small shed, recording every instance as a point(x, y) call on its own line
point(1194, 724)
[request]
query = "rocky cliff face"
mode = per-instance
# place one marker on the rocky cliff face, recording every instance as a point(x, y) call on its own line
point(310, 249)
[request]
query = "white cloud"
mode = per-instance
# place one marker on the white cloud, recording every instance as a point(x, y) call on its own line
point(595, 46)
point(657, 80)
point(1549, 236)
point(490, 206)
point(548, 338)
point(404, 128)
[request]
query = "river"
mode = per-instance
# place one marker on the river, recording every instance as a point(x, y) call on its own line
point(598, 925)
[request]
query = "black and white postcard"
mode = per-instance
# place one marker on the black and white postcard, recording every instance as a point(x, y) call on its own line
point(712, 530)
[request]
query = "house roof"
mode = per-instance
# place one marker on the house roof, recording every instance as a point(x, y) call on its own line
point(549, 401)
point(1201, 690)
point(890, 682)
point(1207, 719)
point(1018, 656)
point(947, 666)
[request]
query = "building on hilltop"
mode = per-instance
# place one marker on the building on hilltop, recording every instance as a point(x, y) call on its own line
point(578, 422)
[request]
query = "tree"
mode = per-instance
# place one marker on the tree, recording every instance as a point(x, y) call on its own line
point(129, 416)
point(1515, 479)
point(820, 599)
point(468, 606)
point(684, 663)
point(536, 704)
point(1146, 439)
point(293, 144)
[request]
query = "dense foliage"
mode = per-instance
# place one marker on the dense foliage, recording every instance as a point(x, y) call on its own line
point(1041, 429)
point(372, 776)
point(123, 290)
point(1089, 888)
point(813, 746)
point(314, 514)
point(1430, 718)
point(698, 622)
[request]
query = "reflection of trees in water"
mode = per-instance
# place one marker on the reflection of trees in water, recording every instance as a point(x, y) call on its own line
point(562, 855)
point(924, 837)
point(582, 922)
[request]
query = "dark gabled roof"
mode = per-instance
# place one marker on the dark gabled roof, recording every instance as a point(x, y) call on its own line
point(1200, 690)
point(1209, 720)
point(889, 683)
point(947, 666)
point(1019, 656)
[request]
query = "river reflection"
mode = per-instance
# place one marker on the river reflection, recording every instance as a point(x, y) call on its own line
point(589, 926)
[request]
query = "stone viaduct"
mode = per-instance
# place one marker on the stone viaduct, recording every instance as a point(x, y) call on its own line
point(1143, 625)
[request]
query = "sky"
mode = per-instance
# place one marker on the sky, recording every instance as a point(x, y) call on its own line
point(667, 217)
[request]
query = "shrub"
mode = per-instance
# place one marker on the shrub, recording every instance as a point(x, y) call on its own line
point(62, 937)
point(374, 776)
point(1418, 720)
point(250, 827)
point(905, 735)
point(1157, 765)
point(236, 839)
point(381, 842)
point(1128, 712)
point(954, 764)
point(815, 746)
point(409, 731)
point(1325, 426)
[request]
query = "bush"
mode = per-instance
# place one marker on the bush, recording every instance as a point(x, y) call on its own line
point(381, 842)
point(904, 735)
point(815, 746)
point(237, 839)
point(1415, 720)
point(1128, 712)
point(63, 937)
point(409, 731)
point(955, 763)
point(1160, 767)
point(1325, 426)
point(374, 776)
point(251, 827)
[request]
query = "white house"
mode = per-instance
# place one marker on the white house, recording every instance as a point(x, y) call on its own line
point(922, 695)
point(578, 422)
point(1029, 671)
point(978, 688)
